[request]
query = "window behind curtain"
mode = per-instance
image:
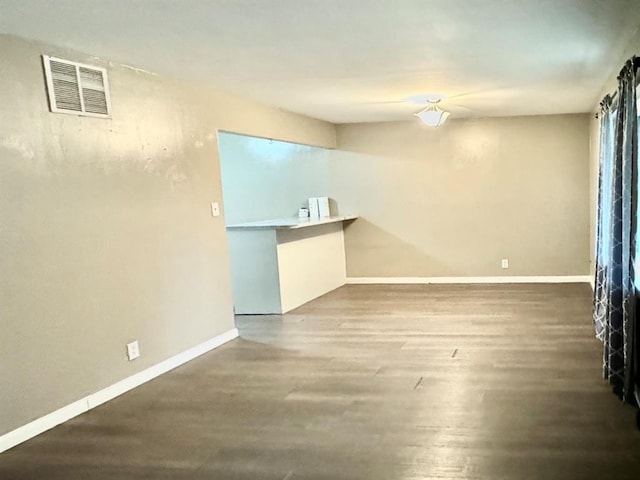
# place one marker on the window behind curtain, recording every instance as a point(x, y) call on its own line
point(607, 179)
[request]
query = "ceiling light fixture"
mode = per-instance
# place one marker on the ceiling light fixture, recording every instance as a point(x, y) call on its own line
point(432, 116)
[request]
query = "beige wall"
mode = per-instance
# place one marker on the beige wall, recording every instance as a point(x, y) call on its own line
point(105, 228)
point(454, 201)
point(447, 202)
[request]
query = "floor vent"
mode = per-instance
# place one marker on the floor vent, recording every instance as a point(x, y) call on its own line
point(77, 88)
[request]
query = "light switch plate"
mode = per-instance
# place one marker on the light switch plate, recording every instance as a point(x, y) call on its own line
point(215, 209)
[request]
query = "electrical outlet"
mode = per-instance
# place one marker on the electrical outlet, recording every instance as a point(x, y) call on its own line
point(215, 209)
point(133, 350)
point(505, 263)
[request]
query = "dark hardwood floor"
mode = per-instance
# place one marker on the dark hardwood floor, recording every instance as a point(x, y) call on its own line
point(498, 382)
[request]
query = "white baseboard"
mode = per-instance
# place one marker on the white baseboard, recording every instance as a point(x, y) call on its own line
point(425, 280)
point(42, 424)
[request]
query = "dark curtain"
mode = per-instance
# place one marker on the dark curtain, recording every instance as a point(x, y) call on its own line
point(615, 292)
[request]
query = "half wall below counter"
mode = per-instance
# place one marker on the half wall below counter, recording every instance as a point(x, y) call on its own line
point(278, 265)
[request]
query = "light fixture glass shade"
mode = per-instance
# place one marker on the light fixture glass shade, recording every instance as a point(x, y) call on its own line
point(432, 116)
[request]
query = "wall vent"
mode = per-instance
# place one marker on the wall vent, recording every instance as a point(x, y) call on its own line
point(77, 88)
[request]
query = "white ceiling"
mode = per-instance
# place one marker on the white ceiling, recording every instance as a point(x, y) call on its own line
point(354, 60)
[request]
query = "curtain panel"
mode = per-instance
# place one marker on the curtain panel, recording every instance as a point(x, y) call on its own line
point(605, 166)
point(615, 292)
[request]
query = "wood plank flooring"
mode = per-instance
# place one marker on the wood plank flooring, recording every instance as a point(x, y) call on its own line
point(499, 382)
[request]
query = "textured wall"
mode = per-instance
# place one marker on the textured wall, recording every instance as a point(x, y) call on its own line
point(105, 228)
point(456, 200)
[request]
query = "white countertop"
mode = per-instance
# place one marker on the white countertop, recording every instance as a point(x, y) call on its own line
point(289, 223)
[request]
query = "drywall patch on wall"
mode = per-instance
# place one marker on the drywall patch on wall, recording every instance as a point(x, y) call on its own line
point(18, 144)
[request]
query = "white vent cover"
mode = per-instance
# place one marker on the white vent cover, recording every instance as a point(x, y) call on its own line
point(76, 88)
